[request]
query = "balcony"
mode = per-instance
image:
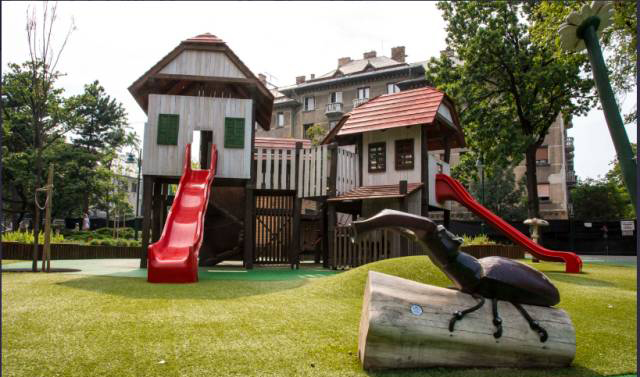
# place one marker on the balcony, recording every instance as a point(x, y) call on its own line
point(569, 143)
point(334, 109)
point(359, 101)
point(571, 178)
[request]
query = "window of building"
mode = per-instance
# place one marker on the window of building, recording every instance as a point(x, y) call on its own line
point(305, 128)
point(441, 156)
point(134, 187)
point(335, 97)
point(377, 157)
point(542, 156)
point(309, 103)
point(404, 154)
point(280, 119)
point(392, 88)
point(363, 93)
point(543, 191)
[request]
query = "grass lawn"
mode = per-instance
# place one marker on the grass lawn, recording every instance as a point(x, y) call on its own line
point(74, 325)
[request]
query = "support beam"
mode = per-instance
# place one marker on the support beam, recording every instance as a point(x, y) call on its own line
point(294, 256)
point(156, 217)
point(146, 218)
point(447, 156)
point(331, 230)
point(250, 201)
point(404, 207)
point(424, 173)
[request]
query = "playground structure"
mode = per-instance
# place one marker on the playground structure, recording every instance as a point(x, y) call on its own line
point(378, 156)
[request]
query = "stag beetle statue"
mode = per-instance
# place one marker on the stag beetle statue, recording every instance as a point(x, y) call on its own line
point(496, 278)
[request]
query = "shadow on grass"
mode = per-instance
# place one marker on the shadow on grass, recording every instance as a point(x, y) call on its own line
point(483, 372)
point(578, 279)
point(204, 290)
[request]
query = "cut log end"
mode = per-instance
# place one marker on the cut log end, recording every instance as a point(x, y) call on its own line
point(405, 324)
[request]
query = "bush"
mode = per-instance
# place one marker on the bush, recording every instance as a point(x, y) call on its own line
point(27, 237)
point(480, 239)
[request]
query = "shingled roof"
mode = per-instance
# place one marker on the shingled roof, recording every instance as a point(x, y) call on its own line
point(420, 106)
point(151, 80)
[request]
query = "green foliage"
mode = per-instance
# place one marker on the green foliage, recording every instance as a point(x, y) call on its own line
point(316, 133)
point(27, 237)
point(502, 195)
point(614, 177)
point(619, 40)
point(509, 89)
point(481, 239)
point(599, 200)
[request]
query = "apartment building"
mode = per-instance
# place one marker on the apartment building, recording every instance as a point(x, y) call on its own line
point(326, 98)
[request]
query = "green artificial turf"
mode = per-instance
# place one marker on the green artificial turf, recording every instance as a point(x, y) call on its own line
point(75, 325)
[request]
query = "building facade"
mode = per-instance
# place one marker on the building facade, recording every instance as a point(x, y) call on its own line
point(323, 100)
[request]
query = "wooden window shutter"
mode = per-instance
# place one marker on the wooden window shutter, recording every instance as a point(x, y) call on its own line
point(234, 132)
point(377, 157)
point(168, 125)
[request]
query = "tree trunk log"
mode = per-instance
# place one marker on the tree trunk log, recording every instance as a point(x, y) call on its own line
point(392, 335)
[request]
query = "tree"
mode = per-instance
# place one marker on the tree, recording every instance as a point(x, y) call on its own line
point(614, 177)
point(619, 40)
point(501, 194)
point(599, 200)
point(102, 131)
point(509, 89)
point(316, 133)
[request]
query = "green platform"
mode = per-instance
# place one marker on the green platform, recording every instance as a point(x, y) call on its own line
point(129, 268)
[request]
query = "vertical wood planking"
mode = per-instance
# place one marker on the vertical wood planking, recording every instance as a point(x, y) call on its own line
point(325, 170)
point(267, 175)
point(276, 169)
point(259, 173)
point(284, 158)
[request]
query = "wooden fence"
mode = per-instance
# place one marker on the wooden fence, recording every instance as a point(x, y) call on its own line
point(347, 177)
point(384, 244)
point(22, 251)
point(276, 170)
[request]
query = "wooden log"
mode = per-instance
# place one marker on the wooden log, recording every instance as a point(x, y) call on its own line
point(404, 324)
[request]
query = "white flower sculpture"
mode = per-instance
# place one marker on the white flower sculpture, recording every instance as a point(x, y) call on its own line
point(569, 38)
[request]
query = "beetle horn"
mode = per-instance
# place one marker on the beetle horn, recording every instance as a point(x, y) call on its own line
point(414, 227)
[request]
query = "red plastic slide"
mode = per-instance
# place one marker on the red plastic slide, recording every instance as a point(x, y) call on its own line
point(448, 188)
point(174, 258)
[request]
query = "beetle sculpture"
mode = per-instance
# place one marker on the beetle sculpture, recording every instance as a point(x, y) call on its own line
point(496, 278)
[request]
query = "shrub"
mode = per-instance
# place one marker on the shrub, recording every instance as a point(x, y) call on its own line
point(480, 239)
point(27, 237)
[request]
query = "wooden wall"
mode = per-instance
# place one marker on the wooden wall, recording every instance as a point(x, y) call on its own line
point(391, 176)
point(196, 113)
point(203, 63)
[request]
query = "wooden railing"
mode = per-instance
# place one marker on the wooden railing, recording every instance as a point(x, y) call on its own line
point(275, 169)
point(347, 177)
point(384, 244)
point(313, 172)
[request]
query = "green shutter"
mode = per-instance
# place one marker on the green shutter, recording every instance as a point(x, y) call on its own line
point(234, 132)
point(168, 129)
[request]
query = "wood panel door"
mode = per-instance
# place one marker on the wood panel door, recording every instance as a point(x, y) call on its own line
point(274, 227)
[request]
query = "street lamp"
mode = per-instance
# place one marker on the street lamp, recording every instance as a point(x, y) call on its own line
point(480, 167)
point(131, 159)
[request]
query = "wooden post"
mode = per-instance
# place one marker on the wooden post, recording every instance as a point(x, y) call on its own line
point(424, 158)
point(297, 209)
point(331, 233)
point(447, 157)
point(323, 231)
point(165, 193)
point(404, 207)
point(146, 218)
point(360, 153)
point(156, 227)
point(46, 251)
point(250, 202)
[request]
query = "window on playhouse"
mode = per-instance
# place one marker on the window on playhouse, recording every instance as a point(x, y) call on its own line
point(280, 120)
point(404, 154)
point(309, 103)
point(542, 155)
point(543, 191)
point(168, 125)
point(234, 132)
point(377, 157)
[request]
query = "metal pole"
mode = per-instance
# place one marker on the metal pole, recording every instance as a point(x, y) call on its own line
point(587, 31)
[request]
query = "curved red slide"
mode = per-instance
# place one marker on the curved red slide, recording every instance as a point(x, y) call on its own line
point(448, 188)
point(174, 258)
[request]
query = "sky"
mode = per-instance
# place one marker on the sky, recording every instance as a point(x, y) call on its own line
point(116, 42)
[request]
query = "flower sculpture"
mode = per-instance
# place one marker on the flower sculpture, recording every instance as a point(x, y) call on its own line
point(597, 14)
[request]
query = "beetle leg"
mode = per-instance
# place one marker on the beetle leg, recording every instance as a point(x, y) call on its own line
point(497, 321)
point(533, 324)
point(460, 314)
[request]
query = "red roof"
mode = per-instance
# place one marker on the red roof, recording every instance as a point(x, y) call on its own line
point(281, 143)
point(408, 108)
point(375, 192)
point(205, 38)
